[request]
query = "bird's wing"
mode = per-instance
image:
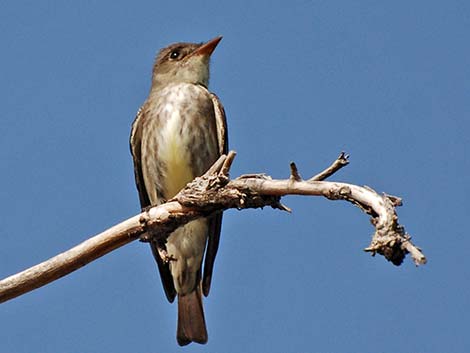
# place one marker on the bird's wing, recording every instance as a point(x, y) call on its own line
point(221, 123)
point(215, 221)
point(135, 145)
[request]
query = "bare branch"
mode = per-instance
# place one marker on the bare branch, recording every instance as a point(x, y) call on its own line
point(71, 260)
point(340, 162)
point(215, 168)
point(227, 163)
point(294, 173)
point(212, 192)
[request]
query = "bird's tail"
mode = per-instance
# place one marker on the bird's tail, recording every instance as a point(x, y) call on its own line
point(191, 322)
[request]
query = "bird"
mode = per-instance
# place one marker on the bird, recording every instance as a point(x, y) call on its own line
point(178, 133)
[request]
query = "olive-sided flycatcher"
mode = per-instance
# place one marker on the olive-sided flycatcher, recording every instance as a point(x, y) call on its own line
point(179, 132)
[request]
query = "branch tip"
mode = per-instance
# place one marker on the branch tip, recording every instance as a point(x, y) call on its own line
point(395, 200)
point(415, 252)
point(294, 173)
point(339, 163)
point(343, 158)
point(282, 207)
point(227, 163)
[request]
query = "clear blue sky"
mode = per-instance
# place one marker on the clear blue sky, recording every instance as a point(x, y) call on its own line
point(388, 82)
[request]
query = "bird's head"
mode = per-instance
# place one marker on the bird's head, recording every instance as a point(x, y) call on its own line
point(184, 62)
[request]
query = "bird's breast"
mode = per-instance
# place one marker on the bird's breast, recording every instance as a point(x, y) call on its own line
point(174, 152)
point(184, 135)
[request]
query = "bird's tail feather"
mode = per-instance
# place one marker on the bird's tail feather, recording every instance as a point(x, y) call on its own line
point(191, 322)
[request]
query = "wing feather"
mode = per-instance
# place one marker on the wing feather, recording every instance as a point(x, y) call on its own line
point(215, 221)
point(136, 146)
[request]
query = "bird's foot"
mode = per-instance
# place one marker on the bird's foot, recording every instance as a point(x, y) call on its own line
point(165, 257)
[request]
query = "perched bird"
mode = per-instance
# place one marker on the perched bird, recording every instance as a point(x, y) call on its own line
point(179, 132)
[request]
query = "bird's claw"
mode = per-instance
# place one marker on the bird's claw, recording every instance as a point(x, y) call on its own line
point(165, 257)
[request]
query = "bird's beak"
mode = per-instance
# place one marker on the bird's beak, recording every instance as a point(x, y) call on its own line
point(207, 48)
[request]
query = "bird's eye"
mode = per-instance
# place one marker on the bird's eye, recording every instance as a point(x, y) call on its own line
point(174, 54)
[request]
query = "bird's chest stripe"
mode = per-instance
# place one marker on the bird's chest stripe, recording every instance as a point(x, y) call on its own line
point(174, 152)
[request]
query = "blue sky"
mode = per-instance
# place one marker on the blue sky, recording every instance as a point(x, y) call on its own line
point(388, 82)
